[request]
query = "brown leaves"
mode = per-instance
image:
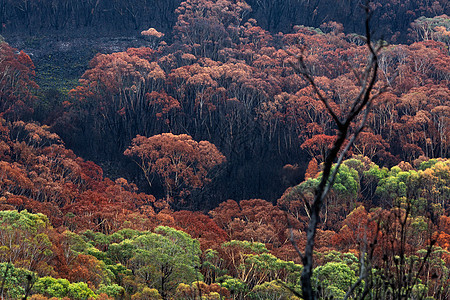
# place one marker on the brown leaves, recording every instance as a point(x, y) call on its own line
point(252, 220)
point(163, 103)
point(16, 83)
point(181, 162)
point(200, 227)
point(214, 24)
point(152, 32)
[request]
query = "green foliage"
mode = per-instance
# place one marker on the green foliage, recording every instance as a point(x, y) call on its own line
point(436, 183)
point(28, 222)
point(234, 285)
point(181, 238)
point(197, 288)
point(162, 259)
point(212, 265)
point(252, 265)
point(147, 294)
point(76, 242)
point(428, 164)
point(79, 291)
point(346, 184)
point(375, 173)
point(333, 279)
point(14, 280)
point(121, 252)
point(307, 187)
point(52, 287)
point(269, 266)
point(312, 30)
point(97, 239)
point(272, 290)
point(171, 254)
point(428, 187)
point(60, 288)
point(396, 184)
point(428, 27)
point(119, 270)
point(113, 290)
point(123, 234)
point(334, 256)
point(100, 255)
point(23, 233)
point(333, 292)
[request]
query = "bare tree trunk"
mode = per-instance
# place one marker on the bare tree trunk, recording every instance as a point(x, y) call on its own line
point(360, 108)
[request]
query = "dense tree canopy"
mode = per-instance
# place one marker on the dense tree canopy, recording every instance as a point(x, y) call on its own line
point(16, 83)
point(213, 115)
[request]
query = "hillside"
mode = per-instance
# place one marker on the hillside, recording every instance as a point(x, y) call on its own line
point(213, 150)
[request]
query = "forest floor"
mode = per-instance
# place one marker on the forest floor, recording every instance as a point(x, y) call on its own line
point(61, 60)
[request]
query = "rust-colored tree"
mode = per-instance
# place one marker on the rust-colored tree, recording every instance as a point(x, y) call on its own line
point(202, 228)
point(16, 83)
point(252, 220)
point(181, 163)
point(348, 125)
point(115, 92)
point(209, 25)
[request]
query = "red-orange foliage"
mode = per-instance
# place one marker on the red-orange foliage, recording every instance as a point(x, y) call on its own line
point(324, 240)
point(164, 101)
point(253, 220)
point(114, 91)
point(88, 269)
point(181, 162)
point(39, 174)
point(369, 144)
point(358, 228)
point(214, 24)
point(443, 237)
point(201, 227)
point(312, 170)
point(16, 83)
point(318, 145)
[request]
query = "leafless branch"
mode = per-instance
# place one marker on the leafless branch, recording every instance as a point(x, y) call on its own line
point(302, 69)
point(291, 238)
point(362, 102)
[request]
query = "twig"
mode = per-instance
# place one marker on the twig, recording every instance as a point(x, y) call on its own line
point(363, 101)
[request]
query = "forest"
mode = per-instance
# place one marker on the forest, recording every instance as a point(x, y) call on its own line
point(283, 149)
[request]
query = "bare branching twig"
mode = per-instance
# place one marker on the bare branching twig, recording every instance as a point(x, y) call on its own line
point(361, 105)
